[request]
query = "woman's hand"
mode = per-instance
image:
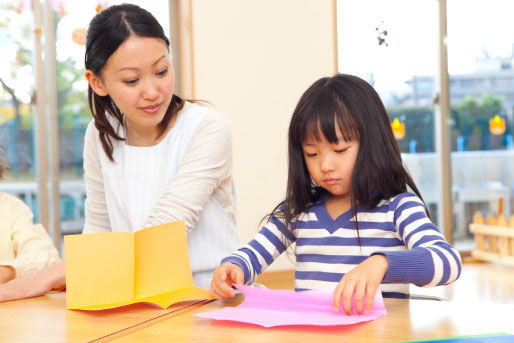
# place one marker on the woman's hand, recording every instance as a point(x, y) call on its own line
point(224, 277)
point(52, 277)
point(362, 281)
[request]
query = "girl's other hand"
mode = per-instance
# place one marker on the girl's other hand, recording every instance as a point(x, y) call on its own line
point(224, 277)
point(361, 282)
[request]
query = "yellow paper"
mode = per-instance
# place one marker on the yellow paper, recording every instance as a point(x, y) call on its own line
point(106, 270)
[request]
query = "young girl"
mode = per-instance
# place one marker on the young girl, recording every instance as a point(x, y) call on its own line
point(25, 248)
point(348, 206)
point(149, 156)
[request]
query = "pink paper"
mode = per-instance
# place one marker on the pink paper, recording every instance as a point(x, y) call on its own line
point(268, 307)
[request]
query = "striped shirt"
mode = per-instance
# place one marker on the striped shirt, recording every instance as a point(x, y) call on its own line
point(326, 249)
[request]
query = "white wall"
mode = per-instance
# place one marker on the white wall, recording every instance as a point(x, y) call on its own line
point(252, 60)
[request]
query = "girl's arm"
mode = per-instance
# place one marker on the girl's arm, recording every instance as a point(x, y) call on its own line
point(32, 246)
point(205, 165)
point(271, 241)
point(97, 218)
point(430, 260)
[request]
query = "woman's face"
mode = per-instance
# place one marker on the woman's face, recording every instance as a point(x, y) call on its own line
point(139, 78)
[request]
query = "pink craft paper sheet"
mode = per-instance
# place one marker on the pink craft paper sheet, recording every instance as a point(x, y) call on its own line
point(267, 307)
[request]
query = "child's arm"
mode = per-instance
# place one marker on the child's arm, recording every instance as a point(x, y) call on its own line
point(50, 278)
point(97, 218)
point(252, 259)
point(430, 260)
point(33, 249)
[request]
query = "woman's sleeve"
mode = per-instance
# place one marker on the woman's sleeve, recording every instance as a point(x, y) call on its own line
point(32, 246)
point(97, 218)
point(271, 241)
point(430, 260)
point(205, 165)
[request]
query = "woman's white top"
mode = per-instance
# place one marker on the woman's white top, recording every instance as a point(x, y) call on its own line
point(187, 176)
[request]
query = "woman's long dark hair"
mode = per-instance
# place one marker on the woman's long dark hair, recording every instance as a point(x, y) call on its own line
point(106, 32)
point(355, 107)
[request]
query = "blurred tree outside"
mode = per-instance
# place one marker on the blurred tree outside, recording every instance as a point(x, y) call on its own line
point(17, 94)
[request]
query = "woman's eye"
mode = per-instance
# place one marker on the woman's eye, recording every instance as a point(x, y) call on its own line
point(131, 82)
point(341, 150)
point(310, 155)
point(161, 73)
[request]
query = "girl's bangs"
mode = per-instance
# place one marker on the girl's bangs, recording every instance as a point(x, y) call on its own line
point(321, 120)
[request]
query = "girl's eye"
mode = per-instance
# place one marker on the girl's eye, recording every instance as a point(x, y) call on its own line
point(310, 155)
point(161, 73)
point(131, 82)
point(341, 150)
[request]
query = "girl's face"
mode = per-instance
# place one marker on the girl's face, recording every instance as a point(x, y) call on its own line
point(139, 78)
point(331, 165)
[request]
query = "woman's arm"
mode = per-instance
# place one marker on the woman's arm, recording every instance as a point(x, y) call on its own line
point(205, 165)
point(97, 218)
point(430, 260)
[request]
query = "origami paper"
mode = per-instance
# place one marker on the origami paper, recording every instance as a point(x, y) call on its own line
point(269, 308)
point(111, 269)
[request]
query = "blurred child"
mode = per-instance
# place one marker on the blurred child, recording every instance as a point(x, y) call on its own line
point(25, 247)
point(356, 216)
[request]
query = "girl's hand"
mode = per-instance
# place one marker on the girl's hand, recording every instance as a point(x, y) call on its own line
point(362, 281)
point(224, 277)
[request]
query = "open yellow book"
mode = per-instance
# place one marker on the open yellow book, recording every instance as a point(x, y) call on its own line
point(106, 270)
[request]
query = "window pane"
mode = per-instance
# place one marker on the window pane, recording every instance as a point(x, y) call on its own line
point(480, 61)
point(17, 110)
point(397, 54)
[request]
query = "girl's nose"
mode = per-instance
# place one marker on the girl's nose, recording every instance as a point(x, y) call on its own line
point(326, 164)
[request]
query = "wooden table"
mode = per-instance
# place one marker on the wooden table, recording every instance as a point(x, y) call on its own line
point(45, 319)
point(406, 320)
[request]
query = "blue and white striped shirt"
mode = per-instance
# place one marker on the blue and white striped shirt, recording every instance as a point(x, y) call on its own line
point(326, 249)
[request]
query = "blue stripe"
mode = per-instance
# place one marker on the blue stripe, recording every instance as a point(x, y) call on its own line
point(332, 259)
point(448, 248)
point(384, 226)
point(408, 205)
point(395, 295)
point(270, 236)
point(261, 250)
point(413, 217)
point(282, 228)
point(393, 202)
point(353, 241)
point(446, 266)
point(425, 239)
point(320, 276)
point(257, 267)
point(425, 227)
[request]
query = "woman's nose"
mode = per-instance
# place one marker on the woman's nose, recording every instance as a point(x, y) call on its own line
point(150, 91)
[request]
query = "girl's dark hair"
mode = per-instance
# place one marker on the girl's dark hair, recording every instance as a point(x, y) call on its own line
point(4, 166)
point(106, 32)
point(355, 107)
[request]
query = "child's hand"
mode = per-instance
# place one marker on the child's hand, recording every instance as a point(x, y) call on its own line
point(224, 277)
point(362, 281)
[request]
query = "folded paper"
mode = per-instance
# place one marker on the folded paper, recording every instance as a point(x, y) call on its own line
point(106, 270)
point(269, 308)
